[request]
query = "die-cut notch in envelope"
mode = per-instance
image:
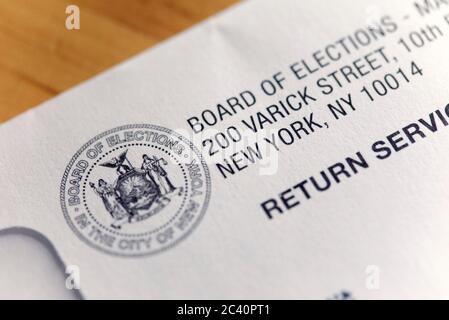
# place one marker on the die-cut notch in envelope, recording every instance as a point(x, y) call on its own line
point(286, 150)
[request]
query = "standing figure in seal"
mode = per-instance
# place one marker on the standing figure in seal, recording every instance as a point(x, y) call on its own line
point(111, 200)
point(154, 167)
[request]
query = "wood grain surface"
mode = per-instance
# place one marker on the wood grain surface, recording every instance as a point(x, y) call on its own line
point(40, 58)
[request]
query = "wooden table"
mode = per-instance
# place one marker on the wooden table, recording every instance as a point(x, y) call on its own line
point(40, 57)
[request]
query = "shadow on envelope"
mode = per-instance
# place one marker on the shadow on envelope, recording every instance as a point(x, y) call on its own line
point(29, 260)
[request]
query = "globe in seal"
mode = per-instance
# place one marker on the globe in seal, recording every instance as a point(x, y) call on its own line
point(135, 190)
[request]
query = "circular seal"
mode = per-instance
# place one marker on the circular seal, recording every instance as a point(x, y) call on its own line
point(135, 190)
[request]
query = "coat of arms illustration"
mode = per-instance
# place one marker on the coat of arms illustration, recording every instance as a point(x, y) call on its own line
point(135, 190)
point(137, 193)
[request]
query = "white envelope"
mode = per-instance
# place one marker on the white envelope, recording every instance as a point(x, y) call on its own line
point(150, 182)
